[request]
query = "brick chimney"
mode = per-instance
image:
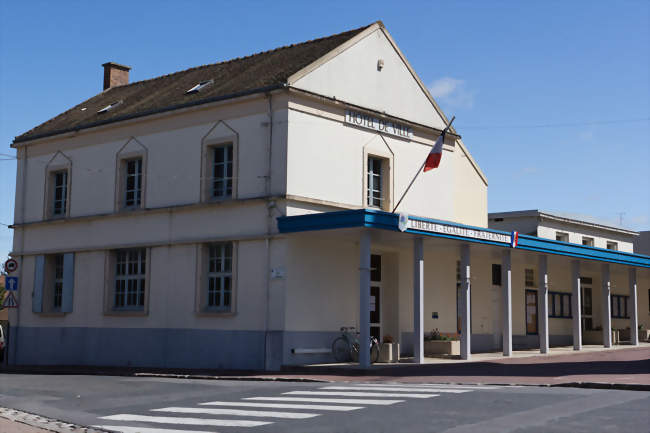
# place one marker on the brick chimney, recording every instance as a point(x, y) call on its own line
point(115, 75)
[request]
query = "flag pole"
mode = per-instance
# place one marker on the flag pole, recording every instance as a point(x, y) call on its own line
point(420, 169)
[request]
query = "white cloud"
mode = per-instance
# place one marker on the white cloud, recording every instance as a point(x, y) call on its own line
point(452, 92)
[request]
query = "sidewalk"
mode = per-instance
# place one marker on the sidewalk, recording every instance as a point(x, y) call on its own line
point(17, 421)
point(7, 426)
point(622, 367)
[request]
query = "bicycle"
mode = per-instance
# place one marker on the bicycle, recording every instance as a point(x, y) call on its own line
point(346, 347)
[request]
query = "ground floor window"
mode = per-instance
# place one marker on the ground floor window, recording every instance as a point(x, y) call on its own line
point(219, 276)
point(559, 305)
point(619, 307)
point(130, 279)
point(496, 274)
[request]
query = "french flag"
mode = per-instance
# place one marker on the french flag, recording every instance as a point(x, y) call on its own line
point(433, 160)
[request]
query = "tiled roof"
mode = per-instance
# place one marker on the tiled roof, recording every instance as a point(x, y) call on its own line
point(236, 77)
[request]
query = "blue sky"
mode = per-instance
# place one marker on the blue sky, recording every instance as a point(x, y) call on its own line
point(552, 98)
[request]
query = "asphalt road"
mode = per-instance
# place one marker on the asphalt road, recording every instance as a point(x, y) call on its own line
point(147, 405)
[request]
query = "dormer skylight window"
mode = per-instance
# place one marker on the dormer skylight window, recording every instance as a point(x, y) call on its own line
point(109, 107)
point(202, 85)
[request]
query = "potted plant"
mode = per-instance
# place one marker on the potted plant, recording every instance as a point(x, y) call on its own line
point(388, 350)
point(436, 343)
point(644, 334)
point(625, 334)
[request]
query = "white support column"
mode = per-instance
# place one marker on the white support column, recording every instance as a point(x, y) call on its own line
point(418, 300)
point(575, 305)
point(364, 299)
point(465, 336)
point(634, 323)
point(606, 320)
point(506, 281)
point(542, 312)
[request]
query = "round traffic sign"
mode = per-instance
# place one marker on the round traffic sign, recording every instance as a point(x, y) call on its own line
point(11, 265)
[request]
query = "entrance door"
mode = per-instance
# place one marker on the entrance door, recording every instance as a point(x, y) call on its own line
point(531, 312)
point(375, 296)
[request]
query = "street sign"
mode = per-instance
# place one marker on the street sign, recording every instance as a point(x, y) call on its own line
point(11, 265)
point(10, 301)
point(11, 283)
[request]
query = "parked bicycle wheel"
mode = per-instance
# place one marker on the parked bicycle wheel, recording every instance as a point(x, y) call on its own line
point(374, 353)
point(341, 349)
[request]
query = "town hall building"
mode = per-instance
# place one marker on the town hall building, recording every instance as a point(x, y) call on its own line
point(238, 214)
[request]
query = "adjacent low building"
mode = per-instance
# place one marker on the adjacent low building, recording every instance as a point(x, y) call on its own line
point(236, 215)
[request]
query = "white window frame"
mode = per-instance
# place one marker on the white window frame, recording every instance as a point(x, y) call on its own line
point(588, 241)
point(227, 165)
point(57, 284)
point(111, 307)
point(205, 273)
point(53, 284)
point(529, 282)
point(136, 190)
point(62, 209)
point(220, 135)
point(562, 236)
point(132, 150)
point(51, 173)
point(611, 244)
point(375, 197)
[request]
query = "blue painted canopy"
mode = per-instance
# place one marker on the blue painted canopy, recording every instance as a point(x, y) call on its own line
point(376, 219)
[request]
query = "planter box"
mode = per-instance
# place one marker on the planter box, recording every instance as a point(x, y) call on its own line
point(389, 352)
point(625, 334)
point(440, 347)
point(596, 337)
point(644, 334)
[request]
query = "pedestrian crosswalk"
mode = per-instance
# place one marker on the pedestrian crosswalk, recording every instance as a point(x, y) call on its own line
point(256, 411)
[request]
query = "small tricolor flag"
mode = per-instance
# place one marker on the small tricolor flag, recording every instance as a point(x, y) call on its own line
point(433, 160)
point(514, 239)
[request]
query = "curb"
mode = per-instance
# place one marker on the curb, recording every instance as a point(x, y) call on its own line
point(242, 378)
point(44, 423)
point(600, 385)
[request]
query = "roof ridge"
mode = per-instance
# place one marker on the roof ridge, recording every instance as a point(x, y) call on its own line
point(283, 47)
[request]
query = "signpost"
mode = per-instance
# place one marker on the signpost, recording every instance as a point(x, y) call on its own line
point(11, 265)
point(11, 284)
point(10, 301)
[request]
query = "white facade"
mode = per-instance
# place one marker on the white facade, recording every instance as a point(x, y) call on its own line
point(557, 227)
point(293, 154)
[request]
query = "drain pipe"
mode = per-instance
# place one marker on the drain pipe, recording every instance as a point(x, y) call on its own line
point(270, 204)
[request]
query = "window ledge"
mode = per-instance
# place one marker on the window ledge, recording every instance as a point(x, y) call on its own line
point(219, 199)
point(208, 313)
point(56, 217)
point(135, 313)
point(52, 314)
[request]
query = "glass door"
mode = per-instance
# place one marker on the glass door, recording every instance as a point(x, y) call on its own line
point(586, 308)
point(375, 296)
point(531, 312)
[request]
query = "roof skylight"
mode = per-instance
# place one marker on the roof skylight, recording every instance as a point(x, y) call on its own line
point(109, 107)
point(200, 86)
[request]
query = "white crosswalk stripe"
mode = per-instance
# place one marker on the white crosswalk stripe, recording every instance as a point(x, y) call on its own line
point(360, 394)
point(238, 412)
point(128, 429)
point(304, 404)
point(186, 421)
point(283, 405)
point(329, 400)
point(396, 389)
